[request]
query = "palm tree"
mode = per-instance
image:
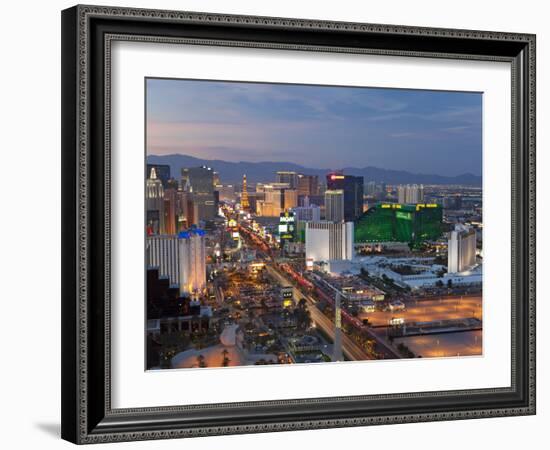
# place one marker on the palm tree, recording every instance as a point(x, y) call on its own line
point(226, 360)
point(200, 361)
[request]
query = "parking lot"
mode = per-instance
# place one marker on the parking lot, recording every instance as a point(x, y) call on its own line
point(429, 310)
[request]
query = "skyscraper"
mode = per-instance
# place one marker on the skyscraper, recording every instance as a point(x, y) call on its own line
point(170, 210)
point(288, 177)
point(328, 240)
point(227, 192)
point(154, 203)
point(181, 258)
point(353, 193)
point(163, 252)
point(201, 182)
point(245, 204)
point(184, 210)
point(192, 257)
point(394, 222)
point(308, 184)
point(290, 199)
point(304, 214)
point(461, 249)
point(307, 213)
point(275, 199)
point(410, 193)
point(371, 187)
point(334, 205)
point(162, 173)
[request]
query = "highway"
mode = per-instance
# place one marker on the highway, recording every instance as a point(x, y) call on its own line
point(350, 349)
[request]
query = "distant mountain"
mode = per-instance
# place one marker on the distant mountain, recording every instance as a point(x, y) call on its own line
point(232, 172)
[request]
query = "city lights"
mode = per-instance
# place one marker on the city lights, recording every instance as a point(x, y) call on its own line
point(280, 262)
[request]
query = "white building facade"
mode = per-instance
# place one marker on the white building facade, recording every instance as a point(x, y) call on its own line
point(410, 194)
point(162, 252)
point(192, 268)
point(461, 249)
point(329, 241)
point(181, 258)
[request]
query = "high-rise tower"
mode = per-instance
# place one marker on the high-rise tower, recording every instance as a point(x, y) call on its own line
point(245, 204)
point(334, 205)
point(461, 249)
point(154, 195)
point(201, 181)
point(192, 261)
point(353, 193)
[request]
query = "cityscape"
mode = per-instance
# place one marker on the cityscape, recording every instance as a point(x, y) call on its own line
point(291, 258)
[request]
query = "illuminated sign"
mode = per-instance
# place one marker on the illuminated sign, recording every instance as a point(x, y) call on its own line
point(337, 177)
point(232, 223)
point(286, 218)
point(397, 321)
point(426, 205)
point(287, 292)
point(287, 303)
point(403, 215)
point(286, 226)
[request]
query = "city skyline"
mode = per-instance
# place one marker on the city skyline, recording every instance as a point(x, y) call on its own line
point(258, 122)
point(252, 263)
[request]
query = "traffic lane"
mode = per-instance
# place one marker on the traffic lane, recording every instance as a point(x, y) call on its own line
point(350, 348)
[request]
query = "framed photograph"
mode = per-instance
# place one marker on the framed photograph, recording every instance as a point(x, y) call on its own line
point(281, 224)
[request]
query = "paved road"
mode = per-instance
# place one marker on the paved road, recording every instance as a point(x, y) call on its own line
point(351, 350)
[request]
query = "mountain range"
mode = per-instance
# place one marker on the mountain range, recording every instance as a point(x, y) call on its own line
point(232, 172)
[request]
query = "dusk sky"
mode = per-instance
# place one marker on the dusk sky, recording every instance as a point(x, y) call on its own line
point(317, 126)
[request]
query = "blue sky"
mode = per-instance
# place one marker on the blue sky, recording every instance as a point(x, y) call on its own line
point(316, 126)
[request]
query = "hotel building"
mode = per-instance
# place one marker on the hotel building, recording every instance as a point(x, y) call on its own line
point(328, 241)
point(461, 249)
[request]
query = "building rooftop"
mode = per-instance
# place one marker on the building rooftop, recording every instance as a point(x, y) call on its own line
point(188, 233)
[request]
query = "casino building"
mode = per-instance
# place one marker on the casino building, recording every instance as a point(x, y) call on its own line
point(393, 222)
point(327, 241)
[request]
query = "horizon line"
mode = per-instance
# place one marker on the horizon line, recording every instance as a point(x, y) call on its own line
point(316, 168)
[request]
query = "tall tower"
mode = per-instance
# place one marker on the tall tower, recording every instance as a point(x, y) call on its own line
point(461, 249)
point(334, 205)
point(201, 181)
point(154, 195)
point(192, 261)
point(245, 204)
point(353, 193)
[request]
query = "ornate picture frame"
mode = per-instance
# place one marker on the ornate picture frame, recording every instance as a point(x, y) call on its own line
point(87, 35)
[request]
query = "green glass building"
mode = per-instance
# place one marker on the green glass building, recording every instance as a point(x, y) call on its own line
point(391, 222)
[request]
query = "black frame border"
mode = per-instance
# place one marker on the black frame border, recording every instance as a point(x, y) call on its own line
point(87, 32)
